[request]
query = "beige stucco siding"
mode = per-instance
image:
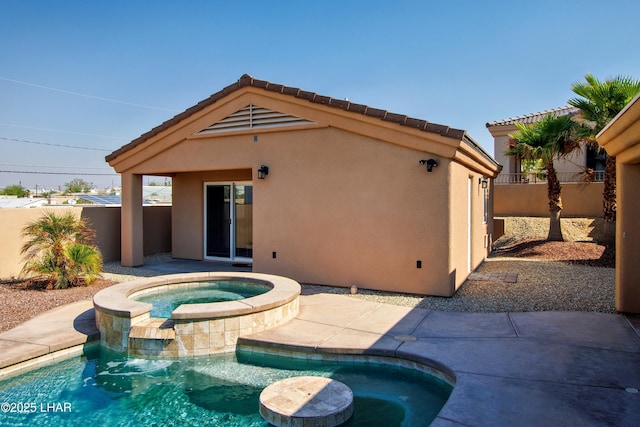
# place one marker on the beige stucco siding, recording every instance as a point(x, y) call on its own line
point(364, 217)
point(621, 138)
point(471, 237)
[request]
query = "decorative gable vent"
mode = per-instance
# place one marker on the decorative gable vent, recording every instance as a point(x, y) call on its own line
point(254, 117)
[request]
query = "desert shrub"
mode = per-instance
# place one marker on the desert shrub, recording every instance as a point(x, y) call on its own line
point(60, 251)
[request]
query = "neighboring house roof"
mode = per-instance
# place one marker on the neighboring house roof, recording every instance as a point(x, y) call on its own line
point(157, 193)
point(151, 194)
point(535, 117)
point(22, 202)
point(247, 80)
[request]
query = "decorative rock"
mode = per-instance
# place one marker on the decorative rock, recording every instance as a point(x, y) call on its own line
point(306, 401)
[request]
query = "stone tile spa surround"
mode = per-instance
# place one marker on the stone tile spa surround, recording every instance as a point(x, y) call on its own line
point(126, 325)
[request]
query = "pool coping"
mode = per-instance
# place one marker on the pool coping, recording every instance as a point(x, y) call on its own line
point(116, 300)
point(198, 329)
point(510, 368)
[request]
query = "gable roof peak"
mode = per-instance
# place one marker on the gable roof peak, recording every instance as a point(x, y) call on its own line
point(343, 104)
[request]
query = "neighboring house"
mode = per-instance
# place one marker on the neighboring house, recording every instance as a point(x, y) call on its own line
point(22, 202)
point(151, 195)
point(569, 169)
point(315, 188)
point(621, 138)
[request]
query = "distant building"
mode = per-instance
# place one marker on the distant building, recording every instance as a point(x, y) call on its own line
point(22, 202)
point(151, 195)
point(570, 169)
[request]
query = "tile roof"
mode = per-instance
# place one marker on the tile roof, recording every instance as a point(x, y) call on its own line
point(535, 117)
point(247, 80)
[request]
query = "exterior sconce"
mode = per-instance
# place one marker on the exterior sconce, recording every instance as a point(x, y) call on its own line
point(263, 171)
point(483, 182)
point(431, 163)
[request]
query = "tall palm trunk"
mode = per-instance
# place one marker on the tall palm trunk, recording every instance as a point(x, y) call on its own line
point(609, 199)
point(555, 204)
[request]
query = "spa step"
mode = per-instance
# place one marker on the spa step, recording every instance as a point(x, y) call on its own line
point(153, 329)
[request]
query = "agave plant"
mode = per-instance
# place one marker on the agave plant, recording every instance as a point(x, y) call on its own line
point(59, 251)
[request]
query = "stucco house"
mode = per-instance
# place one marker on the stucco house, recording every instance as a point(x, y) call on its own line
point(569, 169)
point(318, 189)
point(621, 138)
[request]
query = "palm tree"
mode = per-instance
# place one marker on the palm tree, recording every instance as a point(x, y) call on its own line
point(545, 140)
point(59, 251)
point(600, 102)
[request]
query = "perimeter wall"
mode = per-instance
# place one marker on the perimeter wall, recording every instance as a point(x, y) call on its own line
point(104, 220)
point(579, 200)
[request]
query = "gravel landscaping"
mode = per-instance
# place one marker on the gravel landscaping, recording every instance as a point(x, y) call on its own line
point(575, 275)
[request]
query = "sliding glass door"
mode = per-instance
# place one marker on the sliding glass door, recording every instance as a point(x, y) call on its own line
point(229, 221)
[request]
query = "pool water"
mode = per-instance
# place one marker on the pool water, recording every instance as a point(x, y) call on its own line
point(107, 388)
point(165, 302)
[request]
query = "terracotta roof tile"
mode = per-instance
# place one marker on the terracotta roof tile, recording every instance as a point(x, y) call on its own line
point(321, 99)
point(535, 117)
point(415, 123)
point(247, 80)
point(393, 117)
point(339, 103)
point(375, 112)
point(290, 91)
point(275, 88)
point(357, 108)
point(303, 94)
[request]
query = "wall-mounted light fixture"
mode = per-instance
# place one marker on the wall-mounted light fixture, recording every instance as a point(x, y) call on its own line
point(263, 171)
point(483, 182)
point(431, 163)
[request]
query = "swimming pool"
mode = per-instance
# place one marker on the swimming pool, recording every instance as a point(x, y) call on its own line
point(108, 388)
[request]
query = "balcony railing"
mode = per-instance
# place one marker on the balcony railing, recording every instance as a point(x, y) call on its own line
point(541, 177)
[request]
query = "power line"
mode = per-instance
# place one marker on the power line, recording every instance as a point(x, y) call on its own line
point(53, 167)
point(99, 98)
point(61, 173)
point(54, 145)
point(64, 131)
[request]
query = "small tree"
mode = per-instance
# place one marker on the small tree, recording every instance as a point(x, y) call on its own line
point(600, 101)
point(77, 185)
point(14, 190)
point(59, 251)
point(545, 140)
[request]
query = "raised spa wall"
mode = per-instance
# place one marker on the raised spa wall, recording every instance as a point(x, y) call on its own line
point(125, 325)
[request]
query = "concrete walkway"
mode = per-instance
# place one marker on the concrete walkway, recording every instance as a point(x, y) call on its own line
point(542, 368)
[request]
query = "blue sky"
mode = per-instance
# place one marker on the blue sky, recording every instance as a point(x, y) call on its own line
point(461, 63)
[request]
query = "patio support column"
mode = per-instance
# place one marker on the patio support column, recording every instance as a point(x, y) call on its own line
point(627, 238)
point(131, 218)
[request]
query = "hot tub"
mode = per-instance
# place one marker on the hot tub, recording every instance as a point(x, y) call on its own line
point(197, 329)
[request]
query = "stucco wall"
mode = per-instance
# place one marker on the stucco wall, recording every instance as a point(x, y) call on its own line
point(104, 220)
point(465, 255)
point(621, 138)
point(578, 199)
point(365, 217)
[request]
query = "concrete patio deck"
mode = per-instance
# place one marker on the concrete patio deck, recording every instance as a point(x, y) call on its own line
point(541, 368)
